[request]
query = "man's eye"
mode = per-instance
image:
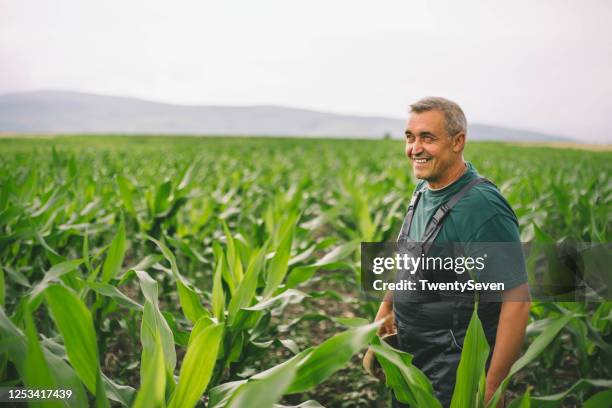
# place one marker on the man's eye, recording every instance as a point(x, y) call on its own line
point(410, 138)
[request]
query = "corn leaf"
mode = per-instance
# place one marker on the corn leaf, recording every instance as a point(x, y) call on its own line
point(53, 274)
point(153, 382)
point(330, 356)
point(75, 324)
point(153, 325)
point(278, 266)
point(290, 296)
point(115, 254)
point(266, 390)
point(126, 192)
point(36, 370)
point(111, 291)
point(599, 400)
point(555, 400)
point(188, 298)
point(2, 289)
point(409, 384)
point(533, 351)
point(65, 375)
point(197, 367)
point(220, 395)
point(218, 296)
point(246, 289)
point(122, 394)
point(472, 364)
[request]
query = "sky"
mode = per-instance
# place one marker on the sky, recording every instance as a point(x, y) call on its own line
point(538, 65)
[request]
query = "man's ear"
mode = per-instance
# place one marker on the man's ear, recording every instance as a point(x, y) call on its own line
point(459, 142)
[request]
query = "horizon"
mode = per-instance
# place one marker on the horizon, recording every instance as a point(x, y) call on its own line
point(61, 93)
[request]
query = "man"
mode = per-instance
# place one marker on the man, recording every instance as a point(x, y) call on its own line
point(433, 331)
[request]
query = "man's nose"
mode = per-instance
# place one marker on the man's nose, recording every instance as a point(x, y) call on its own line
point(417, 147)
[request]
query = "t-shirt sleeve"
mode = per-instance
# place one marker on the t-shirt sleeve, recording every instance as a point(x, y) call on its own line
point(498, 241)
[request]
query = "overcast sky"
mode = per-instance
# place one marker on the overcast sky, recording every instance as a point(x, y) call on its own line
point(540, 65)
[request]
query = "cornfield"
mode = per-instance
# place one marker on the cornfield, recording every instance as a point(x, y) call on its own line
point(181, 272)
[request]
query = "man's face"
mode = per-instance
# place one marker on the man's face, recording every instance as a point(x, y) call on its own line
point(428, 146)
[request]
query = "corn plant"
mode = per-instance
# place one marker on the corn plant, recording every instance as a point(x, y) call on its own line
point(156, 271)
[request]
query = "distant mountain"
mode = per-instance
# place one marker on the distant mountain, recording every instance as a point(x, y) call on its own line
point(74, 112)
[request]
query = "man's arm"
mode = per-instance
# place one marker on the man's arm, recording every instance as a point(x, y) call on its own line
point(510, 334)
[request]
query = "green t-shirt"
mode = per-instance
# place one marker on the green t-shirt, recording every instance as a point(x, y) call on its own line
point(483, 220)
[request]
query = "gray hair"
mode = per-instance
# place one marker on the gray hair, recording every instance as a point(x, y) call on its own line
point(454, 118)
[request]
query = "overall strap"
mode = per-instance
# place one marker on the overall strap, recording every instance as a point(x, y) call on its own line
point(435, 224)
point(405, 230)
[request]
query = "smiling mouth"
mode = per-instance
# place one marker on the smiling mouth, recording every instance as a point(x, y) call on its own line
point(421, 160)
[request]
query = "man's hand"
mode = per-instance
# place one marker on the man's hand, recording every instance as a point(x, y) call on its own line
point(385, 313)
point(513, 320)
